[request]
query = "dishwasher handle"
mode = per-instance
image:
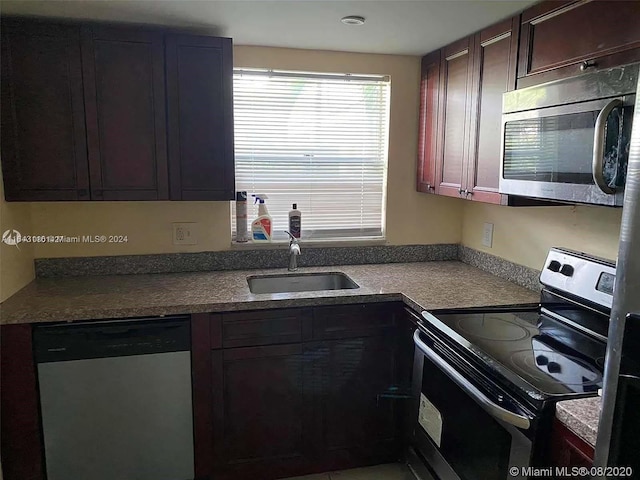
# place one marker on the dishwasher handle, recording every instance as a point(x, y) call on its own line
point(485, 402)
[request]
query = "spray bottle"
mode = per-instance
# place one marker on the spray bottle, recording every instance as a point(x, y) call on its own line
point(261, 226)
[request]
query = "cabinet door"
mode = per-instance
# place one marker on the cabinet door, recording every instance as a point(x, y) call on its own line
point(356, 424)
point(456, 67)
point(494, 74)
point(200, 106)
point(557, 37)
point(22, 443)
point(566, 449)
point(125, 106)
point(429, 124)
point(259, 411)
point(44, 154)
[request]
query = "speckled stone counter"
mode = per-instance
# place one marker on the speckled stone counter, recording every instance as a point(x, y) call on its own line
point(581, 416)
point(428, 285)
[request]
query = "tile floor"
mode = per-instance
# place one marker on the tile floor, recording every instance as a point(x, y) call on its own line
point(390, 471)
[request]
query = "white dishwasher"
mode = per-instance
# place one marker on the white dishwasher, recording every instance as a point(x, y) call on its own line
point(116, 399)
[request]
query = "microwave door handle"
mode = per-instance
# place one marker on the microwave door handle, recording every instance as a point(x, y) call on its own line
point(598, 146)
point(489, 406)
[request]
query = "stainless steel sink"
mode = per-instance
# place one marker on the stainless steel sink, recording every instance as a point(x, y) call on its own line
point(303, 282)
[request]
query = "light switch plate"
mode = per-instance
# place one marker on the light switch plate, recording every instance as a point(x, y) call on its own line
point(185, 233)
point(487, 235)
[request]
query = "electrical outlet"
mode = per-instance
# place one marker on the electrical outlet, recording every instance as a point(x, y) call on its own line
point(487, 235)
point(184, 234)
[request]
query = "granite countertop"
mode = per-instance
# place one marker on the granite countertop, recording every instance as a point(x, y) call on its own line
point(581, 416)
point(428, 285)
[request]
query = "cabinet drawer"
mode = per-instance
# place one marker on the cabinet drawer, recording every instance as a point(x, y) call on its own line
point(263, 327)
point(346, 321)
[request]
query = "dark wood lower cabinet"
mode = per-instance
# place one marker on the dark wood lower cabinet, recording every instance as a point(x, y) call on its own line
point(260, 416)
point(567, 449)
point(203, 339)
point(21, 437)
point(312, 406)
point(263, 410)
point(356, 424)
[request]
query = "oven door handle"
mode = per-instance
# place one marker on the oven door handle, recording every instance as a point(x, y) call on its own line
point(489, 406)
point(598, 146)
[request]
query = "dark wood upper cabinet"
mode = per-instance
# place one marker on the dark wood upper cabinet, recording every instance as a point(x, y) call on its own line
point(474, 73)
point(200, 107)
point(496, 50)
point(84, 114)
point(428, 136)
point(456, 70)
point(549, 41)
point(44, 153)
point(123, 72)
point(557, 37)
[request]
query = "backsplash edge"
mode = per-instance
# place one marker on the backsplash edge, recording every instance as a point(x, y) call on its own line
point(519, 274)
point(240, 260)
point(278, 258)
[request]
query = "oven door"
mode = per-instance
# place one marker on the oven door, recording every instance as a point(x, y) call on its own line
point(465, 430)
point(574, 153)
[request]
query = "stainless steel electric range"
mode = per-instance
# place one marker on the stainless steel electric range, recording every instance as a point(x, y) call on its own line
point(486, 380)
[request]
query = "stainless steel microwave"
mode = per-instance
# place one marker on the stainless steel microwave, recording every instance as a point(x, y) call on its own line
point(569, 140)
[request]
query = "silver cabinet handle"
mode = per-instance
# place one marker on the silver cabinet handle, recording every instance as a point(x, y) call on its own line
point(598, 146)
point(584, 66)
point(490, 407)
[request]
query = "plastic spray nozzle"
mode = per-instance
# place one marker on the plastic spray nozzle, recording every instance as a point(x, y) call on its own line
point(259, 197)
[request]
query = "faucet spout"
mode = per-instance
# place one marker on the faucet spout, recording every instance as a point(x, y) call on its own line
point(294, 252)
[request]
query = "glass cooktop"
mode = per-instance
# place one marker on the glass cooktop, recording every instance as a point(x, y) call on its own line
point(547, 354)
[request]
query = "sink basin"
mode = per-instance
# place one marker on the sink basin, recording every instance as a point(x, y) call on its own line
point(303, 282)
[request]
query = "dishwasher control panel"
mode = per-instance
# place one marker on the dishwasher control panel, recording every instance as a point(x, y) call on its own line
point(115, 338)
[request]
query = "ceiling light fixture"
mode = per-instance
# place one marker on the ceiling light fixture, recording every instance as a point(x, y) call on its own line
point(352, 20)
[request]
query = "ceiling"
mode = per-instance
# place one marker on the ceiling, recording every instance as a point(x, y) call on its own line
point(411, 27)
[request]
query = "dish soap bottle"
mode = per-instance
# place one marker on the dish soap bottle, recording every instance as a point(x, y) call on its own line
point(295, 221)
point(261, 226)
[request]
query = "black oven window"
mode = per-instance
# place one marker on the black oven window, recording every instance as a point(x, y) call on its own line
point(472, 441)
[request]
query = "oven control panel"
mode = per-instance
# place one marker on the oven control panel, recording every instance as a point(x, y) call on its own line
point(580, 274)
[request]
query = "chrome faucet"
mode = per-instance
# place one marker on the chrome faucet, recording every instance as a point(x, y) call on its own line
point(294, 252)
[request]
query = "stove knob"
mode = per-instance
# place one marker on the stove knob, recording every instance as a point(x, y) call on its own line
point(566, 270)
point(554, 367)
point(541, 360)
point(554, 266)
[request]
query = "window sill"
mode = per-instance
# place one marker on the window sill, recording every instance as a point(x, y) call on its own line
point(283, 244)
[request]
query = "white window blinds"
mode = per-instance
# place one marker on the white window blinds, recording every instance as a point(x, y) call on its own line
point(316, 140)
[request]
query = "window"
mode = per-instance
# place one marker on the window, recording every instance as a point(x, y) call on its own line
point(317, 140)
